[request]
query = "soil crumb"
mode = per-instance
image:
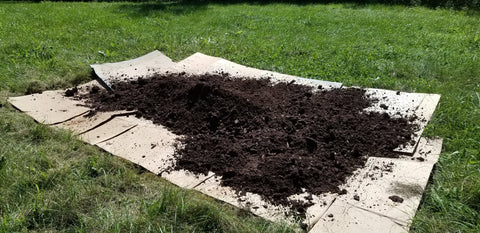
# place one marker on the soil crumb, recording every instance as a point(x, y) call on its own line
point(356, 197)
point(71, 92)
point(396, 198)
point(275, 140)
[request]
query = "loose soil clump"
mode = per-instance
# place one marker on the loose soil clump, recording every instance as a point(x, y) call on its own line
point(275, 140)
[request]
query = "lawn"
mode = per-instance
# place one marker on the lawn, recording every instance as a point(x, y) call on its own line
point(51, 181)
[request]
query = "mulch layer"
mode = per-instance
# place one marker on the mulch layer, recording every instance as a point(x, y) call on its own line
point(274, 140)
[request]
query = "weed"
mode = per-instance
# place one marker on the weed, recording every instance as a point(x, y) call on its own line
point(35, 86)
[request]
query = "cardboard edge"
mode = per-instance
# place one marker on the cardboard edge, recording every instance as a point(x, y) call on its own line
point(16, 101)
point(136, 63)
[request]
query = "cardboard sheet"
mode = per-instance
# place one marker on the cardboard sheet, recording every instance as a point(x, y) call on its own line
point(250, 201)
point(110, 129)
point(403, 104)
point(86, 122)
point(185, 179)
point(200, 63)
point(86, 88)
point(49, 107)
point(345, 218)
point(366, 207)
point(427, 151)
point(239, 71)
point(317, 84)
point(384, 177)
point(234, 70)
point(196, 64)
point(373, 189)
point(255, 204)
point(321, 203)
point(144, 66)
point(425, 112)
point(148, 145)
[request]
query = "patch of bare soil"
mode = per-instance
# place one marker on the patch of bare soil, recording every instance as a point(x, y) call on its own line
point(273, 140)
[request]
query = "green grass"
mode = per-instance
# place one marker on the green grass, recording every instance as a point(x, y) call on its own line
point(50, 181)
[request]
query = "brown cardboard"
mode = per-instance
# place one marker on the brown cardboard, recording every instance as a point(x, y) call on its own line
point(49, 107)
point(249, 201)
point(255, 204)
point(321, 203)
point(405, 104)
point(85, 122)
point(239, 71)
point(427, 151)
point(370, 189)
point(148, 145)
point(108, 130)
point(425, 111)
point(385, 177)
point(365, 208)
point(317, 84)
point(196, 64)
point(342, 217)
point(234, 70)
point(185, 179)
point(85, 88)
point(144, 66)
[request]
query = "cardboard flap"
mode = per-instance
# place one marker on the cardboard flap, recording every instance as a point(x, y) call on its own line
point(199, 63)
point(317, 84)
point(112, 128)
point(148, 145)
point(234, 70)
point(49, 107)
point(196, 64)
point(144, 66)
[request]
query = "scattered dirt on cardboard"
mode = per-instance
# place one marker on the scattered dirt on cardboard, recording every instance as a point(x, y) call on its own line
point(396, 198)
point(275, 140)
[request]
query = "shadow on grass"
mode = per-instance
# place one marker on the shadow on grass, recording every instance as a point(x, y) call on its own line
point(142, 8)
point(148, 7)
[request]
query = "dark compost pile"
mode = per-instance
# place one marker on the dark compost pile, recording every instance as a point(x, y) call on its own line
point(273, 140)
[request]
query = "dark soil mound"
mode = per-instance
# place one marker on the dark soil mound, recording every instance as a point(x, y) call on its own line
point(273, 140)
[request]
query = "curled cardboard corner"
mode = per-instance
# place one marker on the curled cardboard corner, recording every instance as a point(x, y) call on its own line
point(234, 70)
point(144, 66)
point(196, 64)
